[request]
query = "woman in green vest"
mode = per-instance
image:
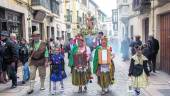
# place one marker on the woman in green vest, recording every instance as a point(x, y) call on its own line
point(78, 61)
point(103, 66)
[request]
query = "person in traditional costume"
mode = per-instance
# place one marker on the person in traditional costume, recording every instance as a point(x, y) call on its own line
point(38, 61)
point(78, 61)
point(103, 66)
point(57, 67)
point(97, 40)
point(138, 71)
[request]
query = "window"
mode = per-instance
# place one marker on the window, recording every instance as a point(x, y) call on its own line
point(52, 33)
point(55, 7)
point(69, 16)
point(124, 1)
point(84, 2)
point(44, 3)
point(58, 31)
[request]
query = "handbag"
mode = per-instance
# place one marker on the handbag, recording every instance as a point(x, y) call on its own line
point(137, 70)
point(26, 72)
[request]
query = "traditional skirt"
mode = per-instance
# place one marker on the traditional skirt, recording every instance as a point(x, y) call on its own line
point(104, 79)
point(89, 72)
point(140, 81)
point(79, 77)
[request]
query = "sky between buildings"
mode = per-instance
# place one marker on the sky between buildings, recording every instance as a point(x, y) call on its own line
point(106, 6)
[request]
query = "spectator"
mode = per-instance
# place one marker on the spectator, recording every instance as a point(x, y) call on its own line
point(132, 42)
point(51, 46)
point(14, 40)
point(23, 57)
point(89, 41)
point(10, 58)
point(57, 43)
point(97, 40)
point(125, 49)
point(137, 42)
point(154, 43)
point(147, 53)
point(1, 62)
point(70, 46)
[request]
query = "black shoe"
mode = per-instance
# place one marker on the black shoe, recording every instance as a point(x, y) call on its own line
point(13, 86)
point(85, 89)
point(30, 92)
point(80, 90)
point(23, 82)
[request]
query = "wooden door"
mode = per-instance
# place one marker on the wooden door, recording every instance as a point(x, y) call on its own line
point(165, 42)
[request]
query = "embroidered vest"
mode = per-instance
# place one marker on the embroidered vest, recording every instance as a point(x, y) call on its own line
point(101, 54)
point(37, 57)
point(80, 60)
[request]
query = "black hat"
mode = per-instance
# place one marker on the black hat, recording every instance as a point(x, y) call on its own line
point(100, 33)
point(4, 33)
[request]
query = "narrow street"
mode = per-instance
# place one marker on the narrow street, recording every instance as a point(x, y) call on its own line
point(120, 87)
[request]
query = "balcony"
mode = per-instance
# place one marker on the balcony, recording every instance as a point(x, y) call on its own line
point(141, 5)
point(50, 6)
point(43, 5)
point(162, 2)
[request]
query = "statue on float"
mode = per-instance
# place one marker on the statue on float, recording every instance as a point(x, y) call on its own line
point(90, 23)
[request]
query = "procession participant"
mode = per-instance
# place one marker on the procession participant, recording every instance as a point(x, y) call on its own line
point(39, 60)
point(78, 61)
point(97, 40)
point(138, 71)
point(103, 66)
point(51, 46)
point(57, 73)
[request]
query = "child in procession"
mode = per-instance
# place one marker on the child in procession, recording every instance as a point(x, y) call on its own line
point(57, 70)
point(138, 71)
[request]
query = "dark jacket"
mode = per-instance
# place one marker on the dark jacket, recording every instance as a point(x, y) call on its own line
point(155, 45)
point(10, 51)
point(147, 52)
point(1, 55)
point(133, 44)
point(23, 53)
point(146, 70)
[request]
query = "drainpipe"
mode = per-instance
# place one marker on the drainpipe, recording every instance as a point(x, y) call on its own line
point(153, 18)
point(29, 19)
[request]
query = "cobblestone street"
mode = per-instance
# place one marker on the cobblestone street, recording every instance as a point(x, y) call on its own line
point(118, 89)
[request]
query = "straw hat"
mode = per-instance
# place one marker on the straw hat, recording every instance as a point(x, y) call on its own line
point(35, 33)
